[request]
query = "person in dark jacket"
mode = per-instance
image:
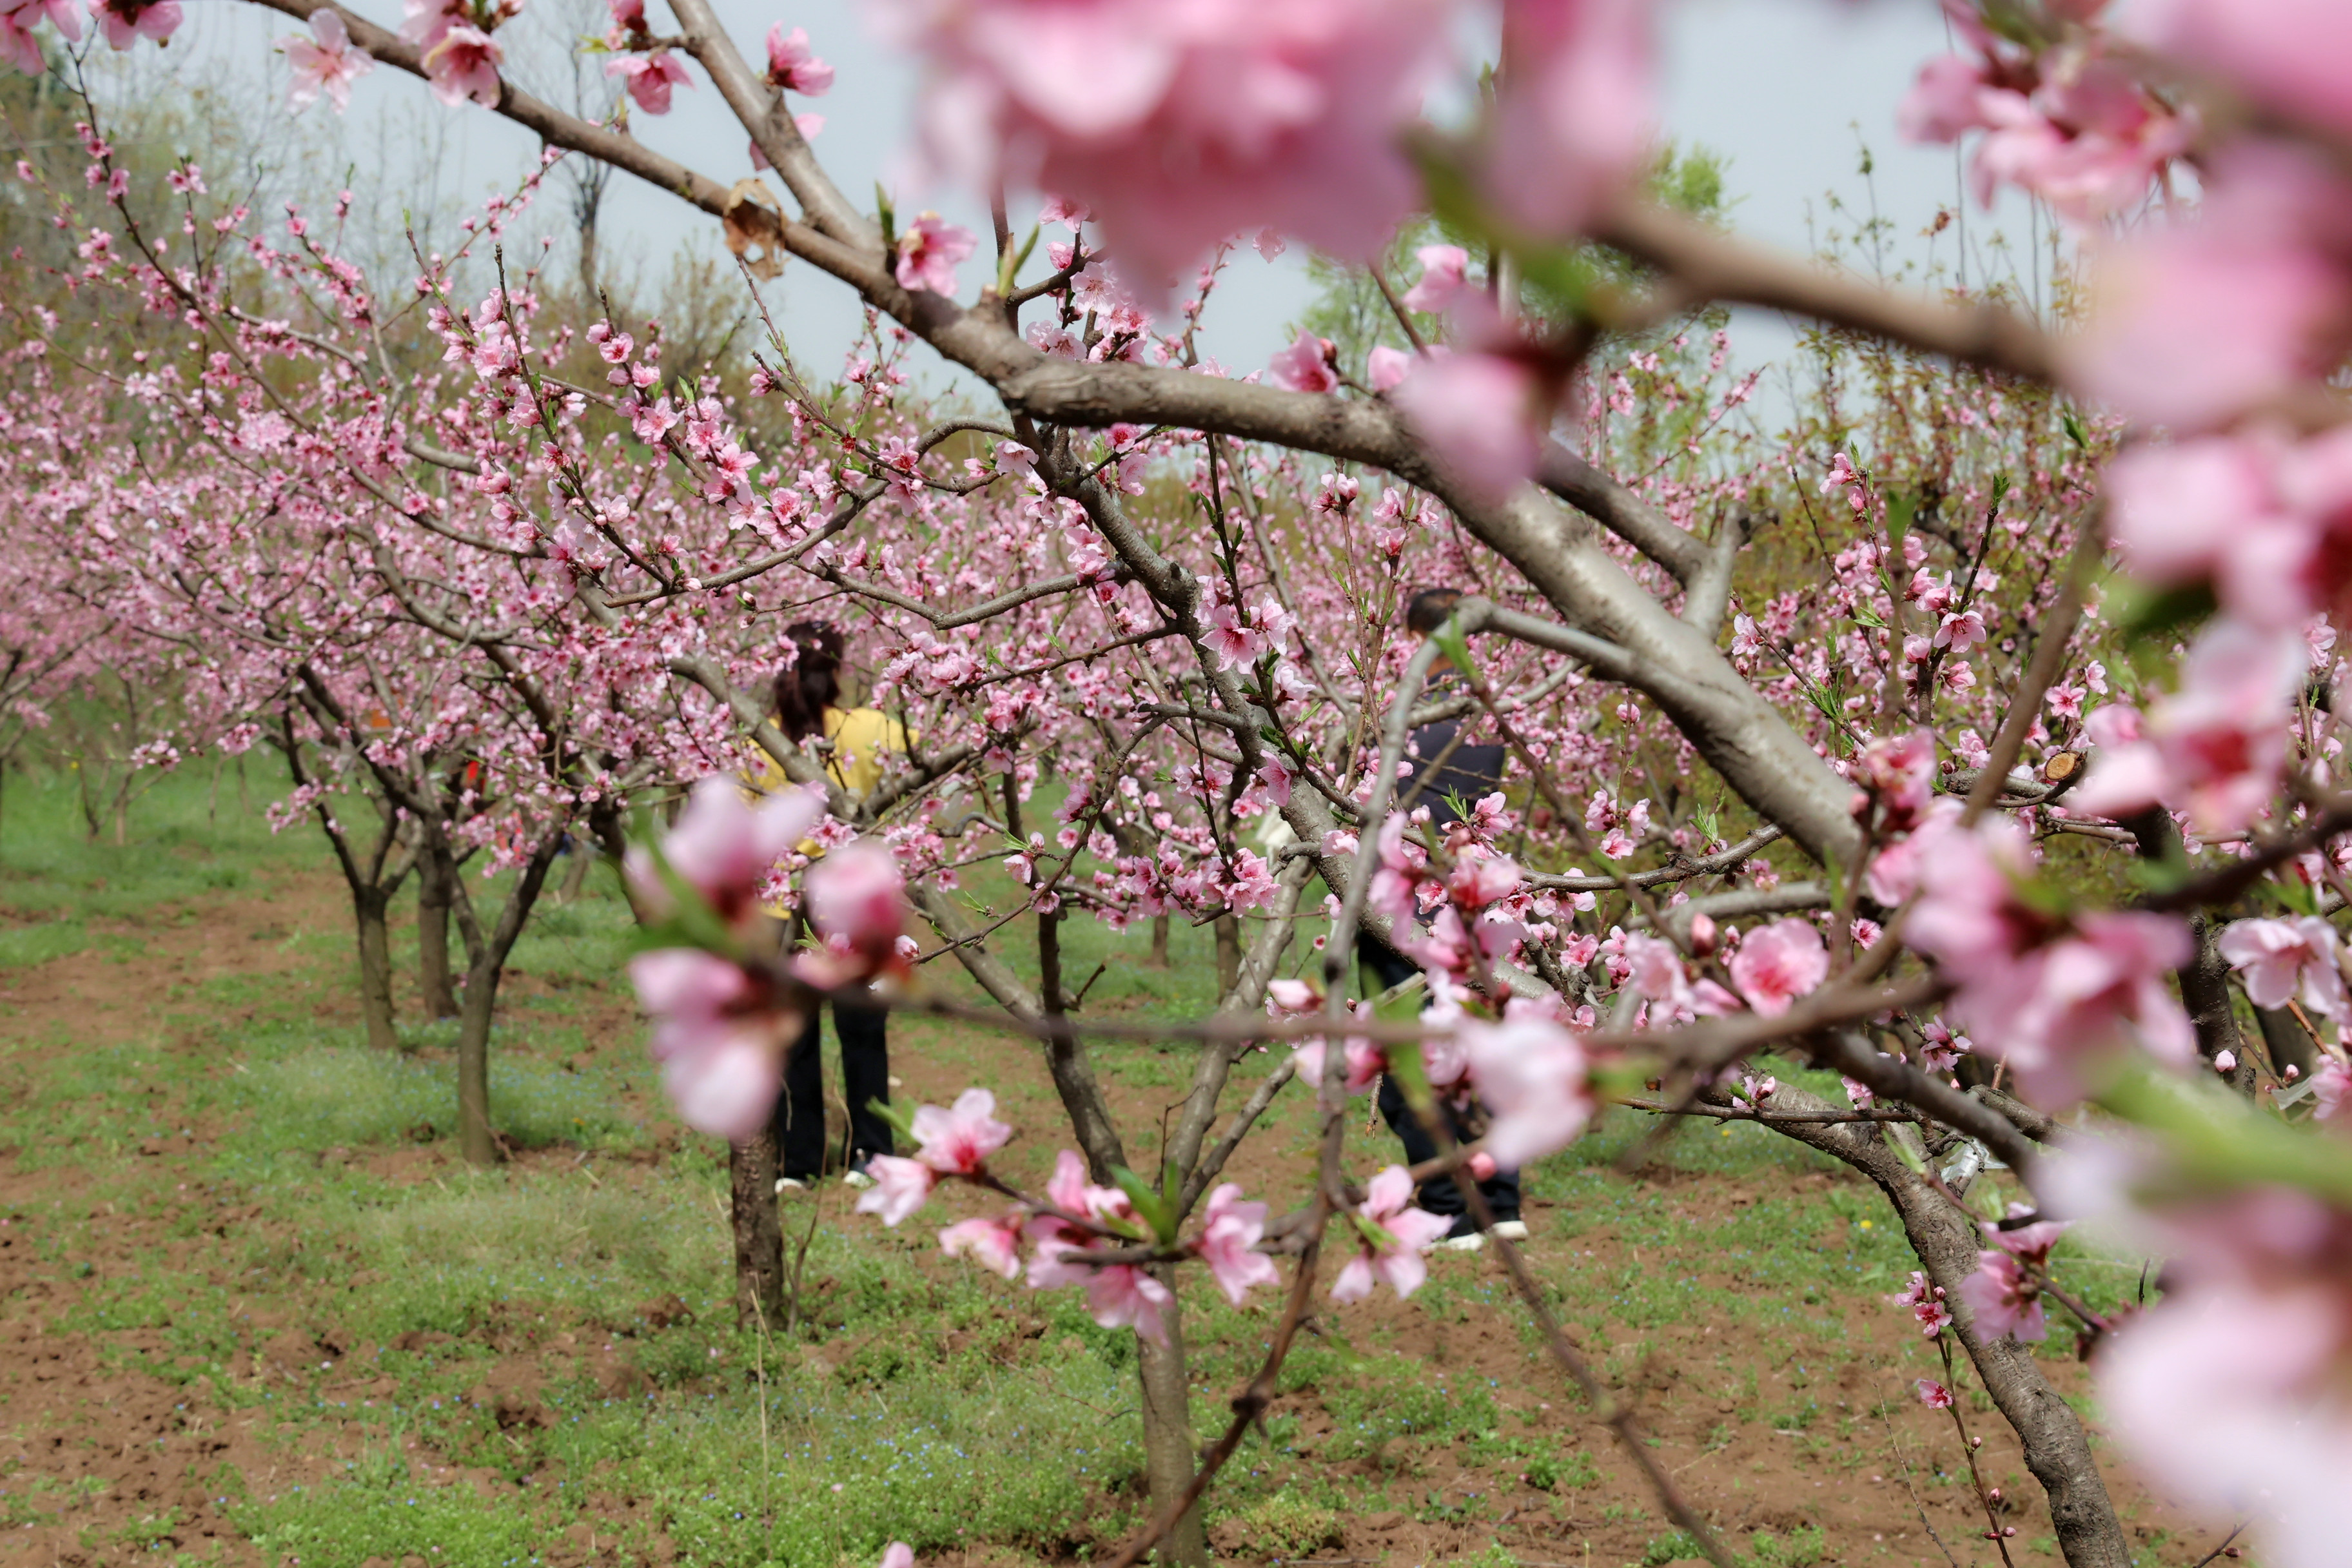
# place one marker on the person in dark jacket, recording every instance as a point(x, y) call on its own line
point(1464, 775)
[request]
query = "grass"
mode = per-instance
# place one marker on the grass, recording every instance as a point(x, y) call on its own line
point(492, 1367)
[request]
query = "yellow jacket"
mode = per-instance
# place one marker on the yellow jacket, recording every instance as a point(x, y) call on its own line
point(859, 737)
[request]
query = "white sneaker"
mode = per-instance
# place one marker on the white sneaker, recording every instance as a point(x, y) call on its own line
point(1511, 1229)
point(859, 1179)
point(1470, 1242)
point(790, 1185)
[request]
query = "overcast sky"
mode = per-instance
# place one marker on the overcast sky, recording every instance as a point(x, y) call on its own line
point(1788, 91)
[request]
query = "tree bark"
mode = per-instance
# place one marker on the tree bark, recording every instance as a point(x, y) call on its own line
point(478, 1143)
point(759, 1235)
point(1159, 959)
point(1170, 1444)
point(369, 912)
point(1229, 955)
point(575, 875)
point(433, 973)
point(2205, 978)
point(1947, 1242)
point(474, 1138)
point(2285, 1041)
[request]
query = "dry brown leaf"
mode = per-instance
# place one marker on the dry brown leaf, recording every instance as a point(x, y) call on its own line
point(754, 221)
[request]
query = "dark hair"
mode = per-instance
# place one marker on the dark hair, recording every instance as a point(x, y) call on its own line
point(808, 686)
point(1429, 609)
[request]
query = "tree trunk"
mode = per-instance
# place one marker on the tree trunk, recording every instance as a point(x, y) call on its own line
point(2284, 1039)
point(375, 968)
point(1170, 1446)
point(1159, 959)
point(482, 977)
point(473, 1135)
point(2205, 979)
point(1947, 1242)
point(588, 287)
point(758, 1236)
point(433, 978)
point(1229, 955)
point(575, 875)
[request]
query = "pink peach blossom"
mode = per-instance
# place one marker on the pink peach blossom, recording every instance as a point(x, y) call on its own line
point(465, 63)
point(1393, 1256)
point(1573, 113)
point(1779, 963)
point(327, 61)
point(18, 46)
point(957, 1141)
point(2290, 53)
point(2004, 1300)
point(1900, 773)
point(2276, 958)
point(1181, 122)
point(1532, 1075)
point(127, 21)
point(900, 1188)
point(649, 78)
point(1304, 365)
point(1228, 1244)
point(2215, 747)
point(993, 1244)
point(722, 846)
point(792, 67)
point(1443, 269)
point(719, 1032)
point(929, 251)
point(1480, 413)
point(855, 897)
point(2197, 321)
point(1122, 1296)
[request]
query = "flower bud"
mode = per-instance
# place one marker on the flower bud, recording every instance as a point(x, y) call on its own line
point(1701, 934)
point(2225, 1062)
point(1482, 1166)
point(2292, 1072)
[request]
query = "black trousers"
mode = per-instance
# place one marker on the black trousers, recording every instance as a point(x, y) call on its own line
point(799, 1123)
point(1438, 1195)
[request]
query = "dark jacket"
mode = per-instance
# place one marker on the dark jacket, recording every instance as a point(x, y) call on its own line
point(1471, 772)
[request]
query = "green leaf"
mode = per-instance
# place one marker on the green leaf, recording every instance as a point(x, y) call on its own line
point(1150, 1206)
point(2217, 1139)
point(1378, 1238)
point(902, 1121)
point(2074, 428)
point(1455, 648)
point(1902, 510)
point(1411, 1080)
point(2144, 614)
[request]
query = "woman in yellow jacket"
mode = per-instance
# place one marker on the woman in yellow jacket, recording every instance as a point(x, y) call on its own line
point(808, 691)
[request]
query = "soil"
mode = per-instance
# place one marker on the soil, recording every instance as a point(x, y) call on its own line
point(157, 1459)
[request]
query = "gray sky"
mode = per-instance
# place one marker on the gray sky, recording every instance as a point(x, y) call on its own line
point(1788, 90)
